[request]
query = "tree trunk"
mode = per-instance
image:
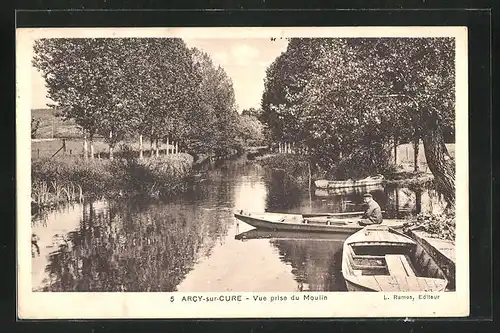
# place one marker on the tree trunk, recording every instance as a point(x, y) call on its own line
point(437, 157)
point(157, 149)
point(92, 148)
point(395, 150)
point(418, 201)
point(416, 147)
point(85, 146)
point(141, 156)
point(168, 146)
point(176, 147)
point(110, 145)
point(151, 147)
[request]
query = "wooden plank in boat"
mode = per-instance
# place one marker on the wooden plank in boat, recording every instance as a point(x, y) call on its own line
point(402, 283)
point(426, 286)
point(387, 283)
point(370, 236)
point(413, 283)
point(439, 284)
point(392, 237)
point(398, 265)
point(361, 256)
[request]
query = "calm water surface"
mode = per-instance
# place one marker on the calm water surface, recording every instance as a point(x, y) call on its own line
point(193, 242)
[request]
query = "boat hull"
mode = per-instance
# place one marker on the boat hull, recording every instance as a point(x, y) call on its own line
point(294, 223)
point(333, 184)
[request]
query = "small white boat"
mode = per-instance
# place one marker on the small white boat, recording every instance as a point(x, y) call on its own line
point(335, 184)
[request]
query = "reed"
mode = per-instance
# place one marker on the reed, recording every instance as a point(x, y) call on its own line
point(62, 180)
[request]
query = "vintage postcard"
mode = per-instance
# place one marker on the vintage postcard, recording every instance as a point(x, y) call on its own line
point(242, 172)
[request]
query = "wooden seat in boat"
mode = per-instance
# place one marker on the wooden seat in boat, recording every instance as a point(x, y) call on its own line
point(398, 265)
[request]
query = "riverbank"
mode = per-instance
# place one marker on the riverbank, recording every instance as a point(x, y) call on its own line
point(409, 178)
point(297, 167)
point(60, 180)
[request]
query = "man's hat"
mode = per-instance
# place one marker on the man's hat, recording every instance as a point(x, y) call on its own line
point(367, 195)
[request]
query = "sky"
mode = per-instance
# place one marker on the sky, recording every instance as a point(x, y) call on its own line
point(244, 59)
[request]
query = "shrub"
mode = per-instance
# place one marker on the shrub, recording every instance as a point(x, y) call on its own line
point(440, 226)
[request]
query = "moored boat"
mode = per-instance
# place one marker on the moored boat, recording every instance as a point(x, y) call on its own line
point(336, 184)
point(331, 192)
point(308, 222)
point(379, 258)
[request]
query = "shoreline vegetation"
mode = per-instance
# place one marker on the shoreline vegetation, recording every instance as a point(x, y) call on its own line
point(63, 180)
point(298, 167)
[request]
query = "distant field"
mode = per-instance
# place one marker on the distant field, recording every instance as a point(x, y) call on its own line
point(54, 127)
point(74, 147)
point(405, 154)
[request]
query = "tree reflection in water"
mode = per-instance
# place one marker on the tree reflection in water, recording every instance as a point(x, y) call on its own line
point(132, 248)
point(316, 264)
point(283, 193)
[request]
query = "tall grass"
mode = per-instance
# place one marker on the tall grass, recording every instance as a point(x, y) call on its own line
point(62, 179)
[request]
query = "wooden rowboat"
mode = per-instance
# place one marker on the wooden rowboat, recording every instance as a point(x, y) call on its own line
point(379, 258)
point(308, 223)
point(360, 189)
point(331, 184)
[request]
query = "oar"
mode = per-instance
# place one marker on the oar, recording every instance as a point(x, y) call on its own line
point(320, 214)
point(332, 214)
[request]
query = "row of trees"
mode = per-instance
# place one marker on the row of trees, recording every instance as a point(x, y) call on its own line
point(154, 88)
point(350, 100)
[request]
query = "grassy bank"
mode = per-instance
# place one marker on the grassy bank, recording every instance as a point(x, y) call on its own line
point(59, 180)
point(409, 178)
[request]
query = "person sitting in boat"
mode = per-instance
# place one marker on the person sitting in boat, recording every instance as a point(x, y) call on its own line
point(373, 213)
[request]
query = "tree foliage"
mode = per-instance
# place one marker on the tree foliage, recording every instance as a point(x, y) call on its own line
point(155, 87)
point(251, 130)
point(346, 100)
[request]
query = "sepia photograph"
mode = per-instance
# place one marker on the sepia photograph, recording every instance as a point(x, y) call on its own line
point(242, 172)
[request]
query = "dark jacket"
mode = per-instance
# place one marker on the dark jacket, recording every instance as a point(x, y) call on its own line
point(373, 212)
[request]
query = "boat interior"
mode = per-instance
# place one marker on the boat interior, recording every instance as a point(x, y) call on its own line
point(405, 260)
point(382, 260)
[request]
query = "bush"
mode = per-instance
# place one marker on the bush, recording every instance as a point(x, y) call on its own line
point(362, 163)
point(440, 226)
point(295, 167)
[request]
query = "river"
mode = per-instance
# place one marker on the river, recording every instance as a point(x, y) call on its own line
point(193, 243)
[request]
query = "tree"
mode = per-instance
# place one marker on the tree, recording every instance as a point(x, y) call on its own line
point(350, 98)
point(251, 112)
point(213, 120)
point(419, 75)
point(73, 69)
point(251, 130)
point(284, 83)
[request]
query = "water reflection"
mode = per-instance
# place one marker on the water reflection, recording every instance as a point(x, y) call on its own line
point(188, 243)
point(316, 264)
point(121, 248)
